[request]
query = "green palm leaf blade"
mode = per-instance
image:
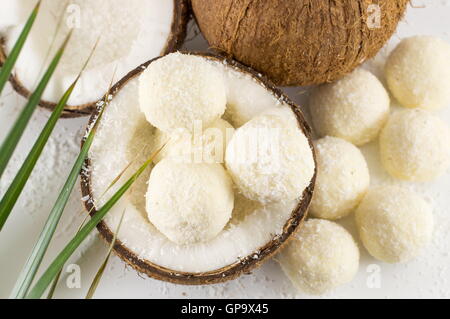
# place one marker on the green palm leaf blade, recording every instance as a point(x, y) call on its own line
point(12, 194)
point(47, 277)
point(29, 271)
point(36, 256)
point(13, 137)
point(98, 276)
point(9, 145)
point(56, 213)
point(114, 181)
point(52, 289)
point(8, 66)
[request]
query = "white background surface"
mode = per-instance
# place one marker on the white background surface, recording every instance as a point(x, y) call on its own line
point(427, 276)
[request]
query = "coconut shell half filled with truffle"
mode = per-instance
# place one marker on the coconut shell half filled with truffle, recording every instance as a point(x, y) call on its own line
point(128, 34)
point(299, 42)
point(200, 214)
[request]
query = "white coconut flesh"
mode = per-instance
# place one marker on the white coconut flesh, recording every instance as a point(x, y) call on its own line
point(130, 34)
point(122, 135)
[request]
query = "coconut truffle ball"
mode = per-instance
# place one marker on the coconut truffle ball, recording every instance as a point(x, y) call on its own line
point(394, 223)
point(269, 157)
point(342, 178)
point(414, 145)
point(321, 257)
point(202, 146)
point(418, 72)
point(189, 203)
point(179, 89)
point(353, 108)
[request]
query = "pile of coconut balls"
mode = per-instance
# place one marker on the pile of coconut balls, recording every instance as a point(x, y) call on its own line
point(190, 195)
point(394, 223)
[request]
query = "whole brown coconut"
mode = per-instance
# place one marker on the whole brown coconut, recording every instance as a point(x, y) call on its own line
point(299, 42)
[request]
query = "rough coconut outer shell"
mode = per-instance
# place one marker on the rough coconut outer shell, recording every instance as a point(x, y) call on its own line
point(245, 265)
point(298, 42)
point(174, 42)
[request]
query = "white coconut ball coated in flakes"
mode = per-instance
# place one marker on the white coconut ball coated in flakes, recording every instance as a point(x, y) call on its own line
point(353, 108)
point(201, 146)
point(269, 157)
point(189, 203)
point(415, 145)
point(342, 178)
point(322, 256)
point(394, 224)
point(179, 89)
point(418, 72)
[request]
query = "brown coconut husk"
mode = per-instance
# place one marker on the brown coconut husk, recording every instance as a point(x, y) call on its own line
point(246, 264)
point(174, 42)
point(297, 42)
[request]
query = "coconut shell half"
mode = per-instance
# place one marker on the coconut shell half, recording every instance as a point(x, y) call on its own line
point(299, 42)
point(245, 264)
point(173, 42)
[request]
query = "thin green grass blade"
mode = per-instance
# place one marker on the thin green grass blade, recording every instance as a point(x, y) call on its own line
point(52, 289)
point(52, 44)
point(115, 180)
point(68, 186)
point(5, 71)
point(45, 280)
point(48, 230)
point(12, 194)
point(34, 260)
point(101, 270)
point(13, 137)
